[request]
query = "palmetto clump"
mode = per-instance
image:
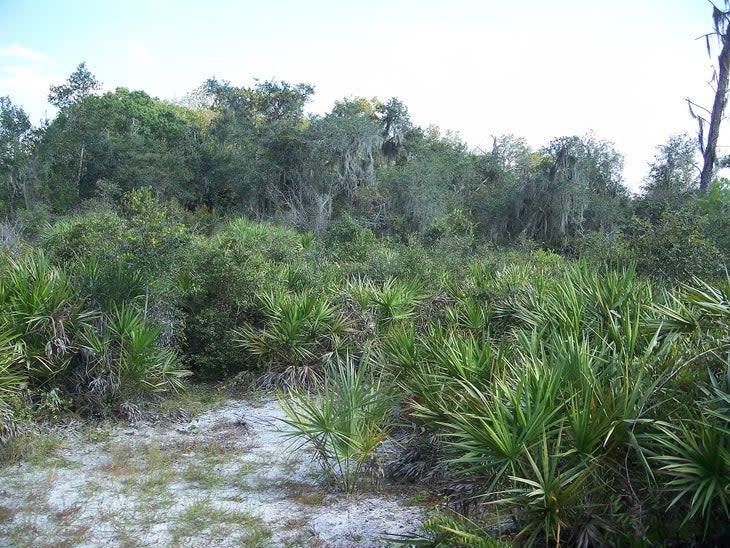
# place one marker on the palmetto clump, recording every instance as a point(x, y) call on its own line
point(345, 420)
point(300, 333)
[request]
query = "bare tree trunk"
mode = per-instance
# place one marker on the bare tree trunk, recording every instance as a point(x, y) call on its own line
point(710, 154)
point(26, 194)
point(323, 213)
point(81, 165)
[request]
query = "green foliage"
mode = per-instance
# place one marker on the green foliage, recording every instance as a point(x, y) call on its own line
point(17, 140)
point(391, 303)
point(715, 206)
point(124, 357)
point(571, 396)
point(94, 249)
point(547, 494)
point(99, 235)
point(674, 247)
point(50, 341)
point(346, 240)
point(41, 313)
point(697, 460)
point(450, 530)
point(456, 224)
point(154, 237)
point(219, 282)
point(11, 381)
point(673, 176)
point(300, 333)
point(551, 419)
point(345, 421)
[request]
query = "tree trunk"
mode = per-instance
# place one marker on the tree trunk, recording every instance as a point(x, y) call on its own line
point(81, 166)
point(710, 154)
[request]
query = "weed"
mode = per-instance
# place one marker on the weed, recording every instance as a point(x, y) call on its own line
point(6, 514)
point(202, 475)
point(202, 516)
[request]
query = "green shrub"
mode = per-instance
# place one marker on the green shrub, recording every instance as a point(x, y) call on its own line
point(300, 332)
point(123, 357)
point(674, 248)
point(219, 281)
point(345, 421)
point(99, 235)
point(347, 241)
point(40, 310)
point(715, 206)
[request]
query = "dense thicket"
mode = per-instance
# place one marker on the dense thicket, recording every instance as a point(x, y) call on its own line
point(253, 151)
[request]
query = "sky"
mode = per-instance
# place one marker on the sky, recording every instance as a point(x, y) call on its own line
point(538, 69)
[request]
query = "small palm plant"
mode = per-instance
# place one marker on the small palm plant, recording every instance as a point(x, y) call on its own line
point(10, 382)
point(392, 303)
point(397, 300)
point(123, 356)
point(39, 307)
point(345, 421)
point(548, 492)
point(697, 458)
point(300, 332)
point(695, 453)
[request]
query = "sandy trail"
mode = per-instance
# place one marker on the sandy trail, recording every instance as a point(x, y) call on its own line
point(230, 477)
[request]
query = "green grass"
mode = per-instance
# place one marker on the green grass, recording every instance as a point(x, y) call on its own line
point(38, 448)
point(204, 517)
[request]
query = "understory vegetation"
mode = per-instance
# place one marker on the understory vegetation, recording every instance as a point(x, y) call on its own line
point(548, 353)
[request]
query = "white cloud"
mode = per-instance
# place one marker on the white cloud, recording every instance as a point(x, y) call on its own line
point(28, 87)
point(17, 51)
point(139, 53)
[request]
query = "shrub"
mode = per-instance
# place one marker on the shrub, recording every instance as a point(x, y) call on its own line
point(674, 248)
point(347, 241)
point(218, 282)
point(123, 357)
point(40, 310)
point(99, 235)
point(300, 332)
point(345, 421)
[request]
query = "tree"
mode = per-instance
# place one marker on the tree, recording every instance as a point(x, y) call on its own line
point(575, 186)
point(708, 146)
point(67, 97)
point(79, 84)
point(16, 141)
point(437, 178)
point(396, 123)
point(341, 148)
point(129, 140)
point(256, 152)
point(673, 173)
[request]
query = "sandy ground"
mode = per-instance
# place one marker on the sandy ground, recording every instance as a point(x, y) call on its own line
point(230, 477)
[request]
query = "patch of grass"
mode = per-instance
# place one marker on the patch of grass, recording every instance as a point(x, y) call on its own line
point(193, 400)
point(418, 497)
point(303, 493)
point(97, 433)
point(202, 475)
point(66, 515)
point(210, 451)
point(144, 470)
point(203, 517)
point(6, 514)
point(241, 478)
point(35, 448)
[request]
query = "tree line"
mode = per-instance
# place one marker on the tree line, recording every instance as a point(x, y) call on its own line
point(254, 151)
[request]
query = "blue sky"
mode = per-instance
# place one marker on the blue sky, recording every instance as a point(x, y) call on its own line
point(535, 68)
